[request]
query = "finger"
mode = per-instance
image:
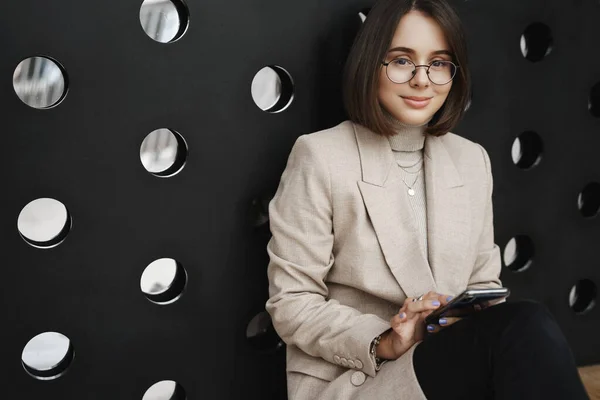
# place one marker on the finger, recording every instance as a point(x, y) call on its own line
point(445, 299)
point(431, 328)
point(447, 321)
point(404, 309)
point(399, 318)
point(442, 298)
point(422, 305)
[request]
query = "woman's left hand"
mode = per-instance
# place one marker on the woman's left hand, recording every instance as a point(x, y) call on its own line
point(443, 323)
point(449, 319)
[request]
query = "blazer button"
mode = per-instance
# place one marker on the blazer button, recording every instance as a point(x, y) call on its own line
point(358, 378)
point(344, 362)
point(336, 358)
point(358, 364)
point(351, 364)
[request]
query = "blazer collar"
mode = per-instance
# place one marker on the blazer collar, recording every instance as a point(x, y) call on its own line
point(448, 213)
point(377, 159)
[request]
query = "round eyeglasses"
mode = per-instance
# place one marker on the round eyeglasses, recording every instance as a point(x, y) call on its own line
point(401, 70)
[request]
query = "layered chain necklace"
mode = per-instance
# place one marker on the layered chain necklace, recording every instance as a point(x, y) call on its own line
point(411, 190)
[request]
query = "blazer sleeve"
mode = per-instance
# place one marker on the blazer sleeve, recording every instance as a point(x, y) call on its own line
point(300, 252)
point(487, 268)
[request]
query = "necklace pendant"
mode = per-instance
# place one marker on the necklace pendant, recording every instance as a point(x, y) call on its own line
point(411, 192)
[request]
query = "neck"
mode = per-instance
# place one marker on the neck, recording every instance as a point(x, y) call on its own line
point(407, 137)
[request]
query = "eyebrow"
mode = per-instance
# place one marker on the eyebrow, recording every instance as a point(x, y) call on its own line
point(411, 51)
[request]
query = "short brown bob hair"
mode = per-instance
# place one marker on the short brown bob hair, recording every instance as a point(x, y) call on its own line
point(361, 74)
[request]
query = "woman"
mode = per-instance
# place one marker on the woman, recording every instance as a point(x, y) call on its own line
point(381, 219)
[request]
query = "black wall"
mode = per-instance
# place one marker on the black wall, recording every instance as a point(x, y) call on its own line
point(122, 86)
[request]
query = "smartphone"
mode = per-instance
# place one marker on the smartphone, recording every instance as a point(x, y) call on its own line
point(469, 301)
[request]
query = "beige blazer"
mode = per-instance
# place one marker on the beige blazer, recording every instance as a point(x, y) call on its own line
point(344, 254)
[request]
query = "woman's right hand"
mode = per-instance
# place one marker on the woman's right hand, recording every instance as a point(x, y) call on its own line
point(408, 325)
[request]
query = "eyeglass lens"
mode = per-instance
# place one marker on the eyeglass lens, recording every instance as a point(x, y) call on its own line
point(401, 70)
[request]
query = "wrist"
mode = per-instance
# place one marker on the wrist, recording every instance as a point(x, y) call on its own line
point(385, 349)
point(394, 346)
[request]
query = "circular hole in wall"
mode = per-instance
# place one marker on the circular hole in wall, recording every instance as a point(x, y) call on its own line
point(594, 101)
point(363, 14)
point(44, 223)
point(527, 150)
point(588, 201)
point(163, 281)
point(469, 102)
point(272, 89)
point(163, 153)
point(164, 21)
point(259, 210)
point(536, 42)
point(47, 356)
point(261, 335)
point(518, 253)
point(582, 297)
point(40, 82)
point(165, 390)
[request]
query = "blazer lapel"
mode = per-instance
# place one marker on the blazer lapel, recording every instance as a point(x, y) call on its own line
point(384, 196)
point(448, 213)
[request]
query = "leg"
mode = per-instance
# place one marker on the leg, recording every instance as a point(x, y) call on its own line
point(532, 359)
point(514, 351)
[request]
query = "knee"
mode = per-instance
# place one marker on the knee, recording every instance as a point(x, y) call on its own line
point(532, 314)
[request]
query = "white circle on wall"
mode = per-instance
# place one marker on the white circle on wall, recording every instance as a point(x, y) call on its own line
point(47, 355)
point(163, 152)
point(40, 82)
point(165, 390)
point(44, 222)
point(163, 281)
point(272, 89)
point(164, 21)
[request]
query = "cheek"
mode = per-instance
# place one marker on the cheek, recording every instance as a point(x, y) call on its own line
point(442, 93)
point(386, 88)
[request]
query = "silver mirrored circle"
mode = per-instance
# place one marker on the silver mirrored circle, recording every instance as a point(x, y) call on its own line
point(573, 296)
point(164, 21)
point(582, 297)
point(39, 82)
point(158, 277)
point(523, 45)
point(536, 42)
point(266, 88)
point(510, 252)
point(42, 221)
point(160, 150)
point(272, 89)
point(516, 151)
point(163, 390)
point(259, 325)
point(45, 351)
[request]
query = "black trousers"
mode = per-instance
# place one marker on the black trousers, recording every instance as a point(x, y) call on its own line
point(513, 350)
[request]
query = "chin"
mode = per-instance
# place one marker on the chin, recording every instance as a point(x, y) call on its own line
point(414, 117)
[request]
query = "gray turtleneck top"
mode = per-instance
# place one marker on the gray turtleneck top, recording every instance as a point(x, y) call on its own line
point(407, 146)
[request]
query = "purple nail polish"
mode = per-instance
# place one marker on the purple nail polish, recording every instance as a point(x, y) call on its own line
point(436, 303)
point(401, 315)
point(443, 321)
point(430, 328)
point(449, 298)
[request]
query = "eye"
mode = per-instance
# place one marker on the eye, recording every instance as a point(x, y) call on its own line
point(401, 61)
point(438, 63)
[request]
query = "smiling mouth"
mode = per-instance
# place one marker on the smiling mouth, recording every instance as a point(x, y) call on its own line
point(416, 98)
point(417, 102)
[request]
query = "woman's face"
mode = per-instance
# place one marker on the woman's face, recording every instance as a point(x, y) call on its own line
point(420, 39)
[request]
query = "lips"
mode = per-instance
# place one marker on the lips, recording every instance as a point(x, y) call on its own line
point(416, 102)
point(415, 98)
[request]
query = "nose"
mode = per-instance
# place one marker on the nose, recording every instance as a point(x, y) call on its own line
point(420, 78)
